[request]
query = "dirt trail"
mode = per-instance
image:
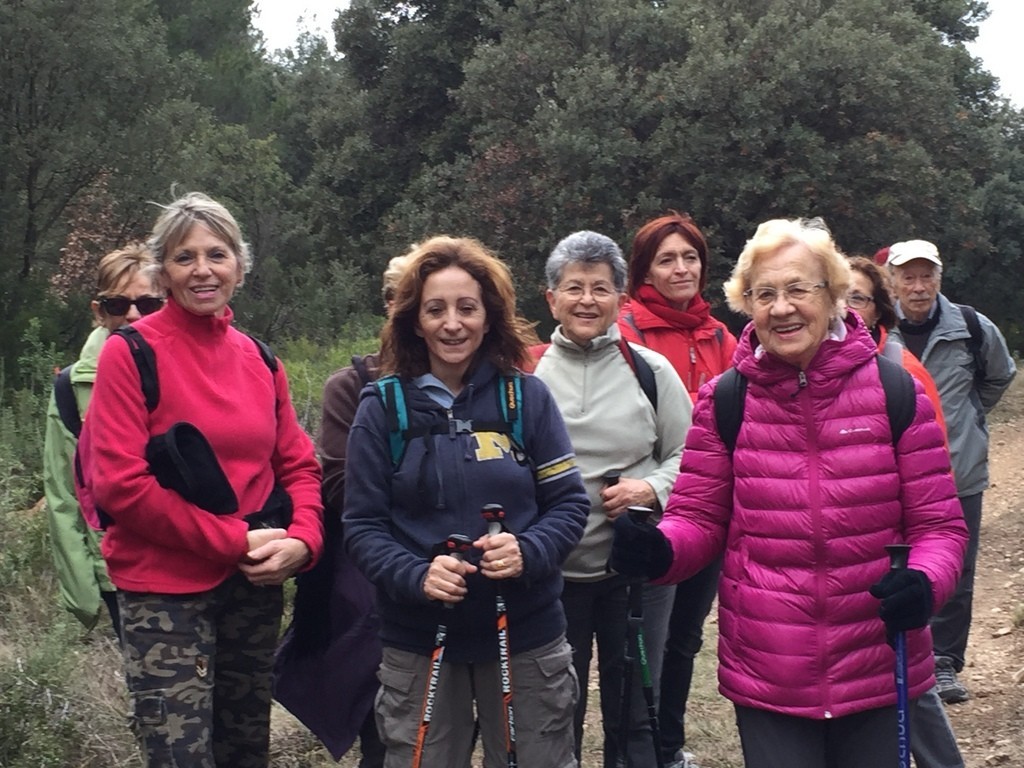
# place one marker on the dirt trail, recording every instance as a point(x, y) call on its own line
point(990, 727)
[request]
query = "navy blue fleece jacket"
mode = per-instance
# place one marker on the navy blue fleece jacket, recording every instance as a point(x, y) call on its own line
point(394, 517)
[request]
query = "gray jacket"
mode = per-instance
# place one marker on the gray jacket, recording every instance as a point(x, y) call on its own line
point(966, 399)
point(613, 426)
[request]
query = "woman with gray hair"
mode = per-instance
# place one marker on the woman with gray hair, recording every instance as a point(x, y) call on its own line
point(628, 439)
point(199, 588)
point(803, 498)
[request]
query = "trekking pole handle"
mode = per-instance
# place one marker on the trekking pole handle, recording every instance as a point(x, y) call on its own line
point(899, 555)
point(611, 478)
point(494, 514)
point(457, 545)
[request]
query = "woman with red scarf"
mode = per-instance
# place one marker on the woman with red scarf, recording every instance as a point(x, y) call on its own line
point(667, 313)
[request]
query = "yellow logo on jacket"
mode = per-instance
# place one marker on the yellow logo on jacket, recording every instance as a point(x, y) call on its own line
point(491, 445)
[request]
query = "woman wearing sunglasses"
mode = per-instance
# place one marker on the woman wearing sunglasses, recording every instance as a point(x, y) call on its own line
point(200, 591)
point(126, 289)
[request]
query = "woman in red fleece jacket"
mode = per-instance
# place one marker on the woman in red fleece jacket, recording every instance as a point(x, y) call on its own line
point(668, 269)
point(200, 594)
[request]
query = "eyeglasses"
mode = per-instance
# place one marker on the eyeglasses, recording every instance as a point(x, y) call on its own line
point(858, 300)
point(599, 292)
point(118, 306)
point(795, 293)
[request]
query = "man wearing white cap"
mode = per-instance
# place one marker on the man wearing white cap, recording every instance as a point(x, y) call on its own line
point(967, 356)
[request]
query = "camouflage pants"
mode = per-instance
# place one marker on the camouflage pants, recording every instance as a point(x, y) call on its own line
point(198, 668)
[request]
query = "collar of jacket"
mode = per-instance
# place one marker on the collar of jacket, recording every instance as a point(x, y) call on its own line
point(610, 338)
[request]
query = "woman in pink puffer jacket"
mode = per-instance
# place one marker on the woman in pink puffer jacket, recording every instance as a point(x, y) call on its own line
point(803, 508)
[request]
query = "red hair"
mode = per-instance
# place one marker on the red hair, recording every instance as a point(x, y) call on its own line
point(650, 237)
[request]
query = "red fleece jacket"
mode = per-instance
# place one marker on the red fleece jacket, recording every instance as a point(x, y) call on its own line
point(213, 376)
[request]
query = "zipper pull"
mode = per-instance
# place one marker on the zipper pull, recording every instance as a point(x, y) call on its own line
point(802, 379)
point(451, 423)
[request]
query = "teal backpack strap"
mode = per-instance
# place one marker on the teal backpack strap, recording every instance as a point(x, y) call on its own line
point(510, 396)
point(390, 390)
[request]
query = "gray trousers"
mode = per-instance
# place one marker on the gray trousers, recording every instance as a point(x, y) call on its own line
point(931, 735)
point(198, 669)
point(544, 691)
point(952, 625)
point(774, 740)
point(598, 609)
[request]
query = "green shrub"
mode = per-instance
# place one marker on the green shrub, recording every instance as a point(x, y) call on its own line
point(49, 715)
point(310, 364)
point(26, 566)
point(36, 724)
point(22, 421)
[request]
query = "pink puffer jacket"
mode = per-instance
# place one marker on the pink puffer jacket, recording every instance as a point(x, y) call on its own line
point(817, 495)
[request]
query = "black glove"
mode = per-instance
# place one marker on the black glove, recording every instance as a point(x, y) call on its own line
point(906, 597)
point(639, 549)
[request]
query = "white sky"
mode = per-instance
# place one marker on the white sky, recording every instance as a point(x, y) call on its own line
point(281, 21)
point(999, 46)
point(999, 42)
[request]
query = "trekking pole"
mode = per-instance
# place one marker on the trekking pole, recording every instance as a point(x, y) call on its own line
point(611, 478)
point(494, 514)
point(457, 546)
point(635, 630)
point(899, 554)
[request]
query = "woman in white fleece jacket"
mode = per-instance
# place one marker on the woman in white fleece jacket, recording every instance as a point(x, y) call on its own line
point(614, 428)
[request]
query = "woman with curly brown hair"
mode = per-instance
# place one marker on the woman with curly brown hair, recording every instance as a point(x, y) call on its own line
point(453, 344)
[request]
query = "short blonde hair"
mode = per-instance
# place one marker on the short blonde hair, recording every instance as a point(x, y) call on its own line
point(772, 236)
point(393, 273)
point(120, 267)
point(196, 208)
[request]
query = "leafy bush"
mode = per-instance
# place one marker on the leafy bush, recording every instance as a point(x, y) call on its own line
point(22, 415)
point(51, 713)
point(36, 723)
point(309, 365)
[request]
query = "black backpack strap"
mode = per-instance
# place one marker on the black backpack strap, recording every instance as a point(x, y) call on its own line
point(900, 397)
point(643, 372)
point(730, 398)
point(67, 405)
point(974, 343)
point(145, 362)
point(265, 352)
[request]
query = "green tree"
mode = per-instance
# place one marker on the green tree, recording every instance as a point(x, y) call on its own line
point(870, 113)
point(64, 119)
point(231, 75)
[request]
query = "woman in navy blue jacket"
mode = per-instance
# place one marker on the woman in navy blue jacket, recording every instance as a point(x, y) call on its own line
point(456, 428)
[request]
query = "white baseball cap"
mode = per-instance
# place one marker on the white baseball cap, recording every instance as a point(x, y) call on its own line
point(901, 253)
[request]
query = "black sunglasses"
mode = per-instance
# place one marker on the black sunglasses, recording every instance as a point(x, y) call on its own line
point(118, 306)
